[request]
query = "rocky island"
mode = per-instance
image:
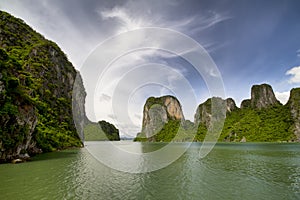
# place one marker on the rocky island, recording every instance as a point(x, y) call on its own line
point(101, 131)
point(162, 118)
point(259, 119)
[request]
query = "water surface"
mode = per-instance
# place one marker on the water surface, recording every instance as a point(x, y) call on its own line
point(230, 171)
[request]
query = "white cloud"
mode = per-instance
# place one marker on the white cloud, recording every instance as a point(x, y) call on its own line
point(298, 53)
point(210, 20)
point(129, 19)
point(283, 97)
point(295, 74)
point(127, 22)
point(104, 97)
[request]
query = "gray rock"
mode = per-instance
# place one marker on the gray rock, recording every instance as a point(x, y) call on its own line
point(158, 111)
point(243, 139)
point(262, 96)
point(204, 113)
point(294, 105)
point(15, 161)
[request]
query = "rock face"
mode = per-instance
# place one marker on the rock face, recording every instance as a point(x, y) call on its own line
point(294, 105)
point(158, 111)
point(230, 105)
point(78, 102)
point(262, 96)
point(260, 119)
point(204, 113)
point(36, 83)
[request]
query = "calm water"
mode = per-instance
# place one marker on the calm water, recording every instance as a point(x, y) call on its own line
point(230, 171)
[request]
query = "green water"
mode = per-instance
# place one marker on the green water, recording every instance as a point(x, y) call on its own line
point(230, 171)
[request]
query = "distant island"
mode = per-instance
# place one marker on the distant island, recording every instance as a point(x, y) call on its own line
point(259, 119)
point(101, 131)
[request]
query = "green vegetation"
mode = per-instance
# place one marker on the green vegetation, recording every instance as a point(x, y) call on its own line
point(101, 131)
point(140, 137)
point(271, 124)
point(36, 81)
point(152, 100)
point(162, 121)
point(266, 125)
point(168, 132)
point(173, 130)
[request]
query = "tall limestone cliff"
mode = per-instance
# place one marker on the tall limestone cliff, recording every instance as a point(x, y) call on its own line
point(230, 105)
point(262, 96)
point(36, 83)
point(294, 106)
point(261, 119)
point(204, 113)
point(78, 101)
point(159, 113)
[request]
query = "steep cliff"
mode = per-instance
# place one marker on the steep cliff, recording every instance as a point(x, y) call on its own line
point(160, 114)
point(261, 118)
point(36, 83)
point(204, 113)
point(230, 105)
point(294, 106)
point(78, 101)
point(203, 117)
point(262, 96)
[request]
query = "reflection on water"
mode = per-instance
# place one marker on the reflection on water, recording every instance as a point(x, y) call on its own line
point(136, 157)
point(230, 171)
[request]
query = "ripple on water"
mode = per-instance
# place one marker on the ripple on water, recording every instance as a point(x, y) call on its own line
point(229, 172)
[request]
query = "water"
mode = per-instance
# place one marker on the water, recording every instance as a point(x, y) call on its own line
point(230, 171)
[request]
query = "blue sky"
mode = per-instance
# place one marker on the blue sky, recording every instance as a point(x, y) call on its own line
point(250, 41)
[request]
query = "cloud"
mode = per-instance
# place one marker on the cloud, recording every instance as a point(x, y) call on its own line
point(295, 74)
point(298, 53)
point(283, 97)
point(129, 19)
point(104, 97)
point(111, 116)
point(209, 20)
point(126, 21)
point(138, 116)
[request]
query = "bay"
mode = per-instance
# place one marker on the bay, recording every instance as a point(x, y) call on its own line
point(229, 171)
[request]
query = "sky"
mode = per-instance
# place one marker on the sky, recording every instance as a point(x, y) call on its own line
point(249, 41)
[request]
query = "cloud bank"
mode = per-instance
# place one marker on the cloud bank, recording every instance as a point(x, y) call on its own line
point(295, 74)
